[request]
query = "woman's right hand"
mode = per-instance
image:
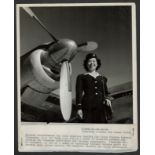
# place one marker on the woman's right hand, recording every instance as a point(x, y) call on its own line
point(80, 113)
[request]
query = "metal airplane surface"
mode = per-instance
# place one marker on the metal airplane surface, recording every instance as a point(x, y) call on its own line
point(41, 68)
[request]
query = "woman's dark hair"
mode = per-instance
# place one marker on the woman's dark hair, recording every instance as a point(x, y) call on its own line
point(90, 56)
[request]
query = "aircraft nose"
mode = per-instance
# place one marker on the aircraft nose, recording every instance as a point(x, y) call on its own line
point(70, 47)
point(69, 44)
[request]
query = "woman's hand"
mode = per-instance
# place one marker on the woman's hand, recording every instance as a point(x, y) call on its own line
point(80, 113)
point(108, 102)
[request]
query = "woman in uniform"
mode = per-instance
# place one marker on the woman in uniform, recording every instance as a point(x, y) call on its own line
point(92, 93)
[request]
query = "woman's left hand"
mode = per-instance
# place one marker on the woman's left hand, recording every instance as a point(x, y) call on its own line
point(108, 102)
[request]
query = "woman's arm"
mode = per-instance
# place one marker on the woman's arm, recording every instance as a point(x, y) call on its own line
point(106, 93)
point(79, 91)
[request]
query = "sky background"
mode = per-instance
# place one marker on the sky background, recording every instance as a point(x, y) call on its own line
point(109, 26)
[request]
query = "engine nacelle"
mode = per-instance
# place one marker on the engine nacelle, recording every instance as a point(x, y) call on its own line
point(36, 84)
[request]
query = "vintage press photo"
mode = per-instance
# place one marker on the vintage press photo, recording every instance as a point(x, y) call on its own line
point(55, 43)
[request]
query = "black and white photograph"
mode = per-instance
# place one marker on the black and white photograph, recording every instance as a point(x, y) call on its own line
point(77, 64)
point(93, 45)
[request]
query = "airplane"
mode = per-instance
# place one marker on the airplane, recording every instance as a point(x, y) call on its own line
point(40, 70)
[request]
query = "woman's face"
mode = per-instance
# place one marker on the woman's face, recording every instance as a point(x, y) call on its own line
point(92, 64)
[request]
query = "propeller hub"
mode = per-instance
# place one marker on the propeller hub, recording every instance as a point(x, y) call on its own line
point(67, 43)
point(58, 52)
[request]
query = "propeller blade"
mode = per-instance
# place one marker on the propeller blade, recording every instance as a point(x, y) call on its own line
point(65, 91)
point(87, 46)
point(31, 13)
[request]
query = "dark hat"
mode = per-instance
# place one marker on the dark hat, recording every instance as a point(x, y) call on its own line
point(91, 55)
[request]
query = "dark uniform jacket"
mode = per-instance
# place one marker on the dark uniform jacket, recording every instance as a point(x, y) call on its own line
point(90, 95)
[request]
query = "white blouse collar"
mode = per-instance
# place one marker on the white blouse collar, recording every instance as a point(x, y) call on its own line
point(93, 75)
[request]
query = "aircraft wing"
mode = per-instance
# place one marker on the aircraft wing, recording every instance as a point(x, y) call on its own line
point(122, 103)
point(119, 94)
